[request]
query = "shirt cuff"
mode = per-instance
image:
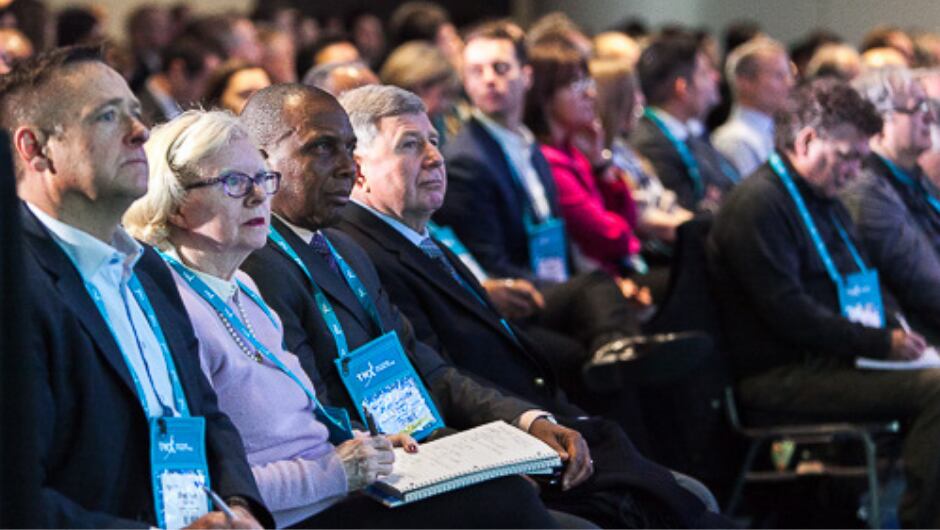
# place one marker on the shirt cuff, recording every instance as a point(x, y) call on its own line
point(527, 418)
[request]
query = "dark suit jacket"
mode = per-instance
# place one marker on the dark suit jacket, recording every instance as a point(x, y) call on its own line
point(462, 401)
point(150, 109)
point(95, 446)
point(485, 205)
point(451, 320)
point(653, 144)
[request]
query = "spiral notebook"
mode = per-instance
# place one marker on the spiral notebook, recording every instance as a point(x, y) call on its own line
point(476, 455)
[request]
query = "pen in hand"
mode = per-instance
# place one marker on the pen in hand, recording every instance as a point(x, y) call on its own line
point(219, 503)
point(370, 422)
point(903, 321)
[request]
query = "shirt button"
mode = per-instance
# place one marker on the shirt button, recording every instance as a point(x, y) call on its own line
point(539, 382)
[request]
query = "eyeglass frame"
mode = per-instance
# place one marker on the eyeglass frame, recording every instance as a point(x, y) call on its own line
point(923, 106)
point(257, 179)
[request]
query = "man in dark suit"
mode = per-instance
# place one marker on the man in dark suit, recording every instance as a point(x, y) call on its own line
point(500, 187)
point(681, 86)
point(111, 346)
point(185, 69)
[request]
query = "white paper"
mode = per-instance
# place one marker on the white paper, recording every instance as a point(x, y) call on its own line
point(929, 359)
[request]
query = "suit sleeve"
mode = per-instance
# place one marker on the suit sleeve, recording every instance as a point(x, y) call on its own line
point(670, 169)
point(760, 252)
point(905, 259)
point(471, 209)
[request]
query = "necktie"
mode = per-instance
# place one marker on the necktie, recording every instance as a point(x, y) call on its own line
point(322, 248)
point(434, 252)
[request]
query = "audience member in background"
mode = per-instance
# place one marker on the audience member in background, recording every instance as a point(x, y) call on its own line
point(110, 324)
point(834, 60)
point(803, 50)
point(799, 297)
point(78, 25)
point(887, 36)
point(559, 27)
point(736, 34)
point(14, 46)
point(599, 212)
point(181, 83)
point(334, 49)
point(620, 105)
point(368, 35)
point(895, 208)
point(278, 55)
point(207, 227)
point(875, 58)
point(681, 85)
point(929, 160)
point(502, 204)
point(420, 67)
point(35, 21)
point(616, 46)
point(233, 83)
point(148, 32)
point(761, 78)
point(234, 37)
point(396, 193)
point(926, 49)
point(337, 78)
point(419, 20)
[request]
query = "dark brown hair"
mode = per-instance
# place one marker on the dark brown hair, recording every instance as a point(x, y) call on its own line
point(824, 104)
point(554, 66)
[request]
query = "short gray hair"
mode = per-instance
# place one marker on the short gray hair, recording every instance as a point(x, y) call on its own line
point(886, 87)
point(319, 76)
point(369, 104)
point(173, 150)
point(742, 61)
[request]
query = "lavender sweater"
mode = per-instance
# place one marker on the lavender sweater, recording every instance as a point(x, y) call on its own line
point(294, 464)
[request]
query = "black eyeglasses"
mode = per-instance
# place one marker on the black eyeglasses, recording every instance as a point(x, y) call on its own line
point(237, 184)
point(922, 106)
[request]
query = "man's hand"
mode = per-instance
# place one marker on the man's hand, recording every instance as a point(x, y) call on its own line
point(514, 298)
point(906, 346)
point(243, 519)
point(570, 446)
point(631, 291)
point(365, 459)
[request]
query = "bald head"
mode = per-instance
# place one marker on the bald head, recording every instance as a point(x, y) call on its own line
point(273, 112)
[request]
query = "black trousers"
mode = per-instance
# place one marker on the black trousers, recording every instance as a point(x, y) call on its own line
point(509, 502)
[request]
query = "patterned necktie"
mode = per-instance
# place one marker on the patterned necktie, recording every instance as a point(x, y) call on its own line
point(321, 247)
point(434, 252)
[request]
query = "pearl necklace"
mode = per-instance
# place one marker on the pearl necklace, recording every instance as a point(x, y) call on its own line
point(252, 354)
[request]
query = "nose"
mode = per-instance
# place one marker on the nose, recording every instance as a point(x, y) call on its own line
point(346, 165)
point(138, 133)
point(433, 157)
point(255, 196)
point(489, 74)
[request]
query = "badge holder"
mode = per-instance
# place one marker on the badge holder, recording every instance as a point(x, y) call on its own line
point(179, 470)
point(860, 299)
point(547, 250)
point(381, 379)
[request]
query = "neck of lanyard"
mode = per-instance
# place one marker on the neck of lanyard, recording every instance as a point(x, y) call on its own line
point(226, 313)
point(776, 163)
point(688, 159)
point(904, 178)
point(137, 291)
point(323, 304)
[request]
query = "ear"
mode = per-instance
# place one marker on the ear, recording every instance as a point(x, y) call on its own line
point(29, 144)
point(177, 218)
point(802, 141)
point(361, 181)
point(680, 86)
point(527, 76)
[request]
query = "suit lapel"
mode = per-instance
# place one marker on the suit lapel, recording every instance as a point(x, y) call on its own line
point(68, 282)
point(419, 262)
point(332, 284)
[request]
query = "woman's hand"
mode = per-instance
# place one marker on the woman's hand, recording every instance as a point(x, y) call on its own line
point(404, 441)
point(366, 459)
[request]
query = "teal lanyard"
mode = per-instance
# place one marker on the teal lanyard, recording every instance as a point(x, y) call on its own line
point(323, 305)
point(143, 301)
point(688, 159)
point(226, 312)
point(781, 170)
point(901, 176)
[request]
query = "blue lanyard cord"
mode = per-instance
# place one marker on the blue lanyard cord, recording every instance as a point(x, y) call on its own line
point(323, 305)
point(781, 170)
point(144, 302)
point(688, 159)
point(901, 176)
point(229, 316)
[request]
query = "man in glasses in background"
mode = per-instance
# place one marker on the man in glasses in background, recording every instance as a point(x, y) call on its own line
point(895, 207)
point(800, 299)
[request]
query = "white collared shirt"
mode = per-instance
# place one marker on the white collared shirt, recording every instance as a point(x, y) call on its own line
point(746, 139)
point(302, 233)
point(109, 269)
point(168, 105)
point(518, 147)
point(679, 130)
point(224, 289)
